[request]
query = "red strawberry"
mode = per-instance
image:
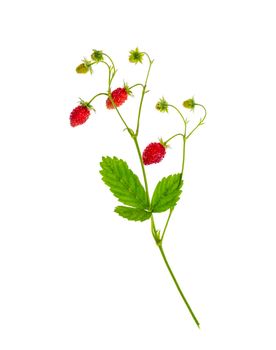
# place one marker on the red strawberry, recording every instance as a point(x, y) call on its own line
point(119, 96)
point(154, 153)
point(79, 115)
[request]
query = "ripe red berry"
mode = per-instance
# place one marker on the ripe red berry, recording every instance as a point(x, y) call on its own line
point(119, 96)
point(79, 115)
point(153, 153)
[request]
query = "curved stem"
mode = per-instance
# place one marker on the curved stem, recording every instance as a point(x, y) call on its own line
point(133, 86)
point(93, 98)
point(143, 94)
point(104, 54)
point(173, 137)
point(201, 122)
point(178, 111)
point(177, 285)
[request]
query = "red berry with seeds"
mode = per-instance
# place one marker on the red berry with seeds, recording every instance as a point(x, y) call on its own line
point(154, 153)
point(119, 96)
point(79, 115)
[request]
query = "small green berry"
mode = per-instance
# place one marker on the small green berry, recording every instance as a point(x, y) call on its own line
point(82, 68)
point(97, 56)
point(190, 103)
point(136, 56)
point(162, 105)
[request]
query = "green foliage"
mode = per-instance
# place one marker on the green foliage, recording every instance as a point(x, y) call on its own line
point(134, 214)
point(166, 193)
point(123, 183)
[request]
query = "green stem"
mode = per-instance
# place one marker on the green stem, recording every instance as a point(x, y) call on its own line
point(184, 149)
point(182, 166)
point(177, 285)
point(133, 86)
point(142, 96)
point(104, 54)
point(93, 98)
point(173, 137)
point(178, 111)
point(142, 166)
point(200, 122)
point(184, 138)
point(121, 117)
point(167, 222)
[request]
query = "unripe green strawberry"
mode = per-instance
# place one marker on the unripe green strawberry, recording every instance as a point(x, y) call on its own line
point(82, 68)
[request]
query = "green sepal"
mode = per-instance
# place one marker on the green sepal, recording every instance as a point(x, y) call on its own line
point(162, 105)
point(97, 56)
point(133, 214)
point(190, 103)
point(135, 56)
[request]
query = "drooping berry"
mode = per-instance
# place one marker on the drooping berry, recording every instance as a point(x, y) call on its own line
point(190, 103)
point(84, 67)
point(154, 153)
point(162, 105)
point(79, 115)
point(119, 96)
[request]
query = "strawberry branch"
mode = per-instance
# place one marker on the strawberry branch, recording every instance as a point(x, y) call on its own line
point(121, 180)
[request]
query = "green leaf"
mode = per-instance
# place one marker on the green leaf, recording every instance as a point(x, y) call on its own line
point(123, 183)
point(166, 193)
point(134, 214)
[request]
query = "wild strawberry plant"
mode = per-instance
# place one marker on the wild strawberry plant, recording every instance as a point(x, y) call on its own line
point(138, 203)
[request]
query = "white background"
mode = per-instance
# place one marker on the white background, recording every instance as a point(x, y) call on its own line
point(73, 274)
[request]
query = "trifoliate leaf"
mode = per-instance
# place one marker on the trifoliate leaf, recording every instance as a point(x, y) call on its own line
point(166, 193)
point(134, 214)
point(123, 183)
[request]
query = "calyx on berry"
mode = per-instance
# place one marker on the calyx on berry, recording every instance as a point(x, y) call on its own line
point(97, 56)
point(190, 103)
point(86, 104)
point(135, 56)
point(84, 67)
point(162, 105)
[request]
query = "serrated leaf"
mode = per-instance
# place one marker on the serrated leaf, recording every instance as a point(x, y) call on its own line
point(134, 214)
point(166, 193)
point(123, 183)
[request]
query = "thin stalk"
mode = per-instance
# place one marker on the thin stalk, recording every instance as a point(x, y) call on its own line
point(142, 96)
point(173, 137)
point(139, 84)
point(184, 150)
point(177, 285)
point(200, 122)
point(167, 222)
point(142, 166)
point(178, 111)
point(93, 98)
point(104, 54)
